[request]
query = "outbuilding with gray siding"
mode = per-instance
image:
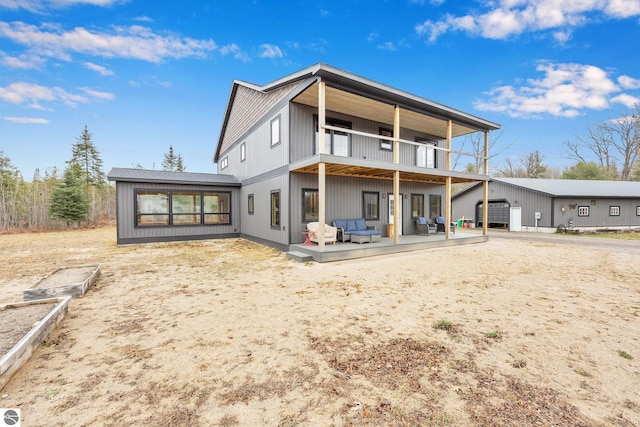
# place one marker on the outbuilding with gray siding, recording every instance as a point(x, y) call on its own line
point(528, 204)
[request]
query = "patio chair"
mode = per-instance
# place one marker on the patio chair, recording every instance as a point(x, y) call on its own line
point(440, 223)
point(330, 233)
point(424, 227)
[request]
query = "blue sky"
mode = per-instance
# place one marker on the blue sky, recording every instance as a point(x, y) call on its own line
point(143, 75)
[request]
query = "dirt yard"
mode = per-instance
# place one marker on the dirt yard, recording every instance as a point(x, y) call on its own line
point(513, 332)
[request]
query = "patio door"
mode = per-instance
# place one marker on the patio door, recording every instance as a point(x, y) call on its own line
point(392, 207)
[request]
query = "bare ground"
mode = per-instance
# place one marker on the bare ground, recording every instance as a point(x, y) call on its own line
point(507, 333)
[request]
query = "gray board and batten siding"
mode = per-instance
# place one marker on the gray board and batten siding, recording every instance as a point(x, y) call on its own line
point(345, 200)
point(303, 134)
point(128, 181)
point(558, 201)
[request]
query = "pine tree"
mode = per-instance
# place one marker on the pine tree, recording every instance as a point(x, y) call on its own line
point(68, 201)
point(85, 154)
point(173, 162)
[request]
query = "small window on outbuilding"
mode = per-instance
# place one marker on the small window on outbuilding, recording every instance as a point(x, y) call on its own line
point(583, 210)
point(614, 210)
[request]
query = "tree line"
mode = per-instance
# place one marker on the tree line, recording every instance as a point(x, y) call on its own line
point(80, 195)
point(609, 151)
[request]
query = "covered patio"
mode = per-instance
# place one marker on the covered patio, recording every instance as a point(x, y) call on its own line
point(386, 246)
point(398, 111)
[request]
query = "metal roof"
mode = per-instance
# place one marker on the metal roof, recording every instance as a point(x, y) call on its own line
point(170, 177)
point(371, 87)
point(350, 82)
point(577, 187)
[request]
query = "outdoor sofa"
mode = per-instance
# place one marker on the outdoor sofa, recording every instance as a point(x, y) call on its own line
point(330, 233)
point(356, 230)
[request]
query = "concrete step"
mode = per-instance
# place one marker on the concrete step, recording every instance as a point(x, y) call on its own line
point(299, 256)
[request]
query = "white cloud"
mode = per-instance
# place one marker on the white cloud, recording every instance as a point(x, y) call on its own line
point(626, 100)
point(33, 95)
point(143, 18)
point(42, 5)
point(234, 49)
point(629, 82)
point(565, 90)
point(26, 120)
point(22, 62)
point(135, 42)
point(104, 96)
point(508, 18)
point(387, 46)
point(103, 71)
point(270, 51)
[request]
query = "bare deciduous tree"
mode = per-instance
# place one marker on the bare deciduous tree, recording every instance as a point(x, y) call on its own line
point(528, 166)
point(613, 143)
point(475, 141)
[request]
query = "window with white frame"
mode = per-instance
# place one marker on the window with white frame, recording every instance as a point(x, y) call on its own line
point(275, 131)
point(583, 210)
point(385, 144)
point(243, 151)
point(426, 155)
point(637, 210)
point(224, 163)
point(614, 210)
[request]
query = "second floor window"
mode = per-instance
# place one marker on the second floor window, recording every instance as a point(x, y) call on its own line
point(335, 142)
point(275, 131)
point(426, 155)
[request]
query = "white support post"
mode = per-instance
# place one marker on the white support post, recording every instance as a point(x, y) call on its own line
point(321, 165)
point(396, 175)
point(485, 187)
point(447, 185)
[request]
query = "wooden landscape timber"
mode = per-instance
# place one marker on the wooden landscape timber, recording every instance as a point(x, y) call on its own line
point(13, 360)
point(73, 281)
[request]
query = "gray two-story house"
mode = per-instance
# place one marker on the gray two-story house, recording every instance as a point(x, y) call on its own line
point(318, 145)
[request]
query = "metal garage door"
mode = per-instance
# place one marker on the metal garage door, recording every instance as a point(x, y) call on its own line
point(498, 214)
